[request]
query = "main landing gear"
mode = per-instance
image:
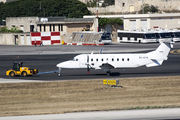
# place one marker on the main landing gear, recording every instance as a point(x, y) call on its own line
point(59, 72)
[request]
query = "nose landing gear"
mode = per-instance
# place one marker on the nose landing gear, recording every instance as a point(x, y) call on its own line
point(59, 72)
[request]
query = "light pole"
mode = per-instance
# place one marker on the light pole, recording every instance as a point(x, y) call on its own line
point(97, 16)
point(143, 6)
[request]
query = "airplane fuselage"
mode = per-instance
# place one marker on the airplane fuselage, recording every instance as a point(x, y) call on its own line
point(100, 61)
point(116, 61)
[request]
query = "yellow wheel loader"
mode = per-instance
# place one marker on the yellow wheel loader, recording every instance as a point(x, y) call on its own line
point(18, 70)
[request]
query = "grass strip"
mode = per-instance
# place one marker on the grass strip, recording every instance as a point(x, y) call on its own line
point(18, 99)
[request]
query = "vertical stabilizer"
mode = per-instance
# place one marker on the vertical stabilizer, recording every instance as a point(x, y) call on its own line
point(160, 54)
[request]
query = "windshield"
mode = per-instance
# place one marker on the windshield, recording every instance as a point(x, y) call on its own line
point(106, 36)
point(150, 36)
point(175, 34)
point(165, 35)
point(74, 59)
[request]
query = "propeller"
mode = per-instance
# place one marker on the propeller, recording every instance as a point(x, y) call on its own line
point(88, 66)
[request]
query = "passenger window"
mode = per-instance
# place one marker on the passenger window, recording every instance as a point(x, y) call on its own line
point(117, 59)
point(76, 59)
point(102, 59)
point(96, 59)
point(112, 59)
point(122, 59)
point(91, 60)
point(128, 59)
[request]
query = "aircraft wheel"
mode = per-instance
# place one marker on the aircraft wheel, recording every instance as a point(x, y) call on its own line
point(12, 74)
point(24, 74)
point(59, 74)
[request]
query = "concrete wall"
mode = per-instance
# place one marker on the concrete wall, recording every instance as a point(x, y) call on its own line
point(168, 21)
point(14, 38)
point(165, 22)
point(22, 22)
point(85, 1)
point(7, 39)
point(110, 8)
point(125, 5)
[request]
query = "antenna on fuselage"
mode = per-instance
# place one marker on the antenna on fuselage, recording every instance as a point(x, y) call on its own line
point(100, 52)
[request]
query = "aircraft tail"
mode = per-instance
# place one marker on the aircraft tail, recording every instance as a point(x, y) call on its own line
point(160, 54)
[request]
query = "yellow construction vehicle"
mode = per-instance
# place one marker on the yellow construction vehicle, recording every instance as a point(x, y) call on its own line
point(85, 29)
point(18, 70)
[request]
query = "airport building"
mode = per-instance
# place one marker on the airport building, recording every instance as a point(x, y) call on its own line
point(65, 27)
point(147, 21)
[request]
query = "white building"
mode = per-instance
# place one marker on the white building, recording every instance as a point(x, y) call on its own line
point(147, 21)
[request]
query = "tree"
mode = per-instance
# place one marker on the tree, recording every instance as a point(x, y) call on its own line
point(104, 21)
point(147, 8)
point(27, 8)
point(91, 3)
point(108, 2)
point(13, 30)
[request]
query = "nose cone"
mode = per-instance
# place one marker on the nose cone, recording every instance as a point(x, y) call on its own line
point(58, 65)
point(63, 64)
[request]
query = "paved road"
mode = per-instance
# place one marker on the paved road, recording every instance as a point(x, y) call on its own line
point(152, 114)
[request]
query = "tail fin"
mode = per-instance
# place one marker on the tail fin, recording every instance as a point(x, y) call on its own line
point(160, 54)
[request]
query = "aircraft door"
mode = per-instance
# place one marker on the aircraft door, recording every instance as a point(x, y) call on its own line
point(83, 61)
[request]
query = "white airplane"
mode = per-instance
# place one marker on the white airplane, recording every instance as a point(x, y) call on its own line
point(117, 61)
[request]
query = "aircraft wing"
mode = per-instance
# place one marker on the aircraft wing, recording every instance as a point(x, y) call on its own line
point(107, 65)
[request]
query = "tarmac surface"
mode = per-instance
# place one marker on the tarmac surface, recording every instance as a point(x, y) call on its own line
point(70, 49)
point(35, 57)
point(47, 63)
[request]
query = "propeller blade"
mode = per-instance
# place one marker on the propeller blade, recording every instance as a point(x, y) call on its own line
point(88, 69)
point(88, 64)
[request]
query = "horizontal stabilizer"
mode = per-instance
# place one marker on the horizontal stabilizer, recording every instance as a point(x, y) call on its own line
point(155, 63)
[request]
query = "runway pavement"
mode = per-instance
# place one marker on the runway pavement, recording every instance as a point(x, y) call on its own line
point(45, 63)
point(69, 49)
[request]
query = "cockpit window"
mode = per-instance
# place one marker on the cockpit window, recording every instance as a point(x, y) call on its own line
point(75, 59)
